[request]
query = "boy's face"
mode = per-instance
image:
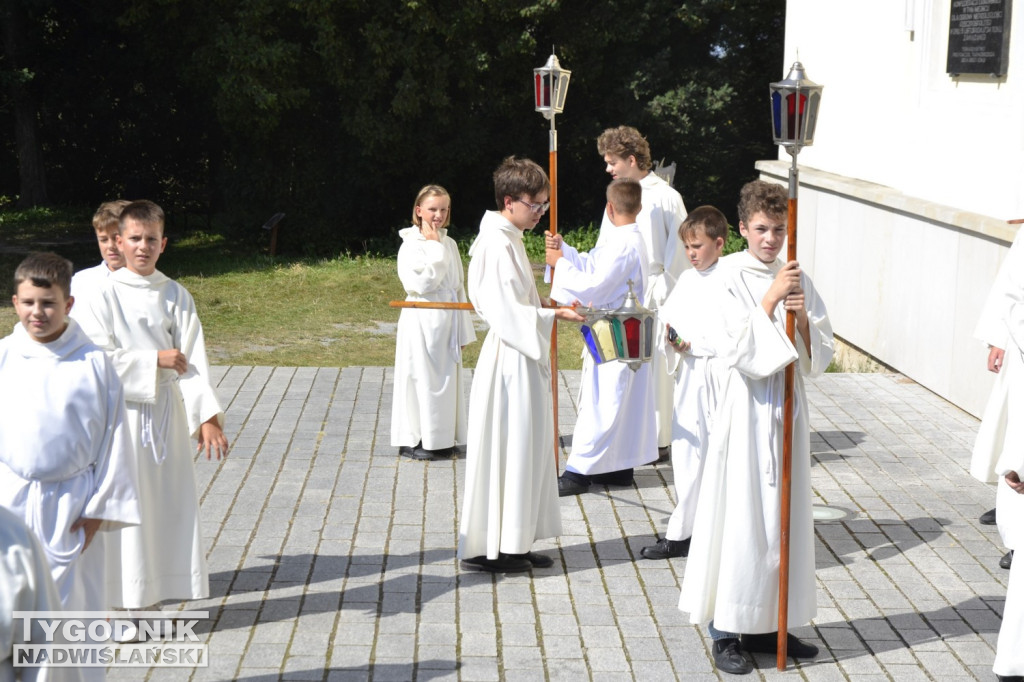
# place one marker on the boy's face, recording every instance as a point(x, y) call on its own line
point(107, 240)
point(43, 311)
point(702, 250)
point(523, 216)
point(765, 236)
point(141, 244)
point(618, 167)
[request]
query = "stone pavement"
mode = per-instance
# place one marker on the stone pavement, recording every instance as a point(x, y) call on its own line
point(332, 558)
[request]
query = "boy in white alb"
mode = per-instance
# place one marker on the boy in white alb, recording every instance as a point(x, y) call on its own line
point(992, 329)
point(26, 585)
point(510, 498)
point(615, 429)
point(732, 574)
point(66, 463)
point(1007, 461)
point(149, 324)
point(693, 316)
point(627, 155)
point(106, 223)
point(1009, 663)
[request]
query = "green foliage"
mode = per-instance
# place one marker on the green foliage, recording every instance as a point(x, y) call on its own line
point(336, 111)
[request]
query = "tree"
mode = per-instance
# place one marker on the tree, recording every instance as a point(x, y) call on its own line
point(337, 111)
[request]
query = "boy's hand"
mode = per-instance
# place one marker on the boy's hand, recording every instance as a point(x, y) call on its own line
point(787, 281)
point(569, 315)
point(212, 439)
point(995, 359)
point(795, 302)
point(1013, 480)
point(677, 344)
point(551, 256)
point(90, 526)
point(172, 359)
point(552, 241)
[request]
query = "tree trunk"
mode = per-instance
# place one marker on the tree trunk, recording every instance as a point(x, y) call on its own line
point(31, 170)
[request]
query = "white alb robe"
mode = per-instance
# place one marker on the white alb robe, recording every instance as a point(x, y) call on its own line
point(615, 428)
point(136, 316)
point(732, 574)
point(511, 491)
point(1009, 504)
point(661, 213)
point(429, 404)
point(693, 309)
point(26, 585)
point(65, 453)
point(992, 330)
point(88, 283)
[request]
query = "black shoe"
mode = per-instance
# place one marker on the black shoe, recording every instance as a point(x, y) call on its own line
point(1010, 678)
point(988, 518)
point(536, 560)
point(666, 549)
point(505, 563)
point(620, 477)
point(442, 453)
point(1007, 560)
point(767, 643)
point(664, 455)
point(729, 658)
point(571, 483)
point(415, 452)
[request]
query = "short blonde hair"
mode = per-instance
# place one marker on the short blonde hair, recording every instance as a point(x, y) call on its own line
point(108, 214)
point(431, 191)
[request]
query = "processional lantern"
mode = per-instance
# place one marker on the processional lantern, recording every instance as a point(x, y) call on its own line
point(550, 83)
point(795, 103)
point(625, 334)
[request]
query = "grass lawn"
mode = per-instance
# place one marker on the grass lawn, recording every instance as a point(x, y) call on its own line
point(258, 310)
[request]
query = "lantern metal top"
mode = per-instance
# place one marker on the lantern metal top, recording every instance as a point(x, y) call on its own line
point(550, 83)
point(795, 102)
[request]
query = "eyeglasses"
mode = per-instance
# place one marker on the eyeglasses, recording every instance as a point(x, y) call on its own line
point(536, 208)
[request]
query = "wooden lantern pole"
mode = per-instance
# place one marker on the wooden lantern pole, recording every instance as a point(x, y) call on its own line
point(794, 104)
point(553, 218)
point(787, 438)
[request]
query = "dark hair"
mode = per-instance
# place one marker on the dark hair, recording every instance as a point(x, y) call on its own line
point(516, 177)
point(624, 142)
point(706, 219)
point(143, 211)
point(45, 270)
point(624, 194)
point(765, 197)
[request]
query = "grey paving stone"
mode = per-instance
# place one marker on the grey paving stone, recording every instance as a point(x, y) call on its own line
point(326, 549)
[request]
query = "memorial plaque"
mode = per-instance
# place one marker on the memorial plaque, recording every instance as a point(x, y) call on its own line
point(979, 37)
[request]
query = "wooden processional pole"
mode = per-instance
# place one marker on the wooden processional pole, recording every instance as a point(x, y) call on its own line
point(787, 439)
point(553, 218)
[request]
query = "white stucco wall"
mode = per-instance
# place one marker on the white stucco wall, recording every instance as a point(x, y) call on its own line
point(906, 191)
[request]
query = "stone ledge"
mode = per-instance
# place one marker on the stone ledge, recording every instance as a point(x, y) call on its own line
point(887, 198)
